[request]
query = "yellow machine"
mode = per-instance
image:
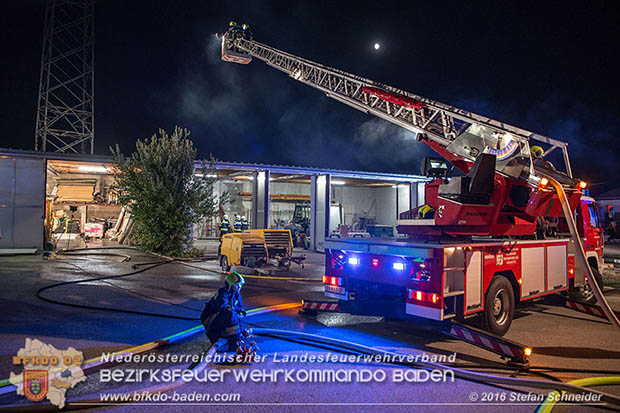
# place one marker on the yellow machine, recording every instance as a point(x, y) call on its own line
point(242, 248)
point(256, 247)
point(279, 242)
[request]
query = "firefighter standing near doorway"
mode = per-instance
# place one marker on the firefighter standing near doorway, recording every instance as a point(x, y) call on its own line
point(224, 226)
point(238, 224)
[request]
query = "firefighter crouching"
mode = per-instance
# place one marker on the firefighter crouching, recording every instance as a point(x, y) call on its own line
point(221, 315)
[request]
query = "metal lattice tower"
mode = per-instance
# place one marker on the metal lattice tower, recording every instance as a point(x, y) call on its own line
point(65, 113)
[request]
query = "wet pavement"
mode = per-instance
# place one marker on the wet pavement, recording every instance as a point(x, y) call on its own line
point(560, 337)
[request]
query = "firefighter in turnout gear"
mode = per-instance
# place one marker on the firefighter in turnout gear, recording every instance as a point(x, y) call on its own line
point(221, 315)
point(247, 32)
point(426, 212)
point(224, 226)
point(235, 29)
point(538, 154)
point(237, 225)
point(244, 223)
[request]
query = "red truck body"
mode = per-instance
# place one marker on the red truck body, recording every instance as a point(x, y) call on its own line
point(438, 280)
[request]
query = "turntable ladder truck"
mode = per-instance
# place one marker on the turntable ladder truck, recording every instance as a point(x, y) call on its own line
point(499, 234)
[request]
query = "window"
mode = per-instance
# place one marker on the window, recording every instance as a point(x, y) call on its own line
point(594, 222)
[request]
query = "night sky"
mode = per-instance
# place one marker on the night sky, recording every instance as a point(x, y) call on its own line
point(550, 67)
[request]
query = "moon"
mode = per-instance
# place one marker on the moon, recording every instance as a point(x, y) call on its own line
point(377, 46)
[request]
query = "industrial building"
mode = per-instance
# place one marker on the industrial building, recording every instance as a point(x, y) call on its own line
point(39, 187)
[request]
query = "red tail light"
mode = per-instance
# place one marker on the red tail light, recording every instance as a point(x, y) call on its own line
point(337, 281)
point(424, 296)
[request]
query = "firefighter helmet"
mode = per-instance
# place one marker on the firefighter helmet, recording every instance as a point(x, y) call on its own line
point(537, 152)
point(426, 211)
point(232, 23)
point(234, 278)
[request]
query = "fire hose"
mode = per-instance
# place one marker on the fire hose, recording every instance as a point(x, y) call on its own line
point(461, 373)
point(581, 255)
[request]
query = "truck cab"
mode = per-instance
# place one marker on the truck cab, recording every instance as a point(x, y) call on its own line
point(591, 233)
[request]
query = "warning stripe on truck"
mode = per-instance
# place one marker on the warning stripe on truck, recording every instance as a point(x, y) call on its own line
point(516, 352)
point(320, 305)
point(582, 307)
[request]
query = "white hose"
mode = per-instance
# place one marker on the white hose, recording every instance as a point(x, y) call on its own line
point(596, 289)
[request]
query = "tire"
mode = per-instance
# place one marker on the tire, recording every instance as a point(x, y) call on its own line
point(499, 306)
point(224, 264)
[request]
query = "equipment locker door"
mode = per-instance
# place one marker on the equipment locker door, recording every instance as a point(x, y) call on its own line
point(557, 267)
point(473, 281)
point(532, 271)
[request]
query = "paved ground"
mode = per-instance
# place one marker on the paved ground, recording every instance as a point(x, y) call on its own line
point(561, 338)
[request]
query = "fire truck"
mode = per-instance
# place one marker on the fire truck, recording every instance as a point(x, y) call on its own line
point(506, 230)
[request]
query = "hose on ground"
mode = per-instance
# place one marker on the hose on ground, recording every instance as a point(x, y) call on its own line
point(88, 249)
point(5, 385)
point(551, 400)
point(111, 309)
point(463, 374)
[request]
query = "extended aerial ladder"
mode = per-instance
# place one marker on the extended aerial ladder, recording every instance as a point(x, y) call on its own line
point(444, 124)
point(505, 191)
point(502, 184)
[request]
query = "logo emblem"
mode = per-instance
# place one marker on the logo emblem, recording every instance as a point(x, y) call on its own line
point(499, 259)
point(35, 384)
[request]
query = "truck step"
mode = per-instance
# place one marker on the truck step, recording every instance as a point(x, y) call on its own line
point(517, 353)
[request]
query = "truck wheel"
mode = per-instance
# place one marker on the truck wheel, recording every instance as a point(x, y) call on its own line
point(224, 264)
point(499, 306)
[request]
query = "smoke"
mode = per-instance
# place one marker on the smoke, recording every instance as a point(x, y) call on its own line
point(257, 114)
point(389, 144)
point(317, 134)
point(212, 94)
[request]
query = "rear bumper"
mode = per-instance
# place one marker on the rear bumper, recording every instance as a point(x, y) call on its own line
point(363, 297)
point(425, 312)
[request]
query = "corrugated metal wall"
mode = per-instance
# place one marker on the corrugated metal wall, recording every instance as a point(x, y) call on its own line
point(22, 201)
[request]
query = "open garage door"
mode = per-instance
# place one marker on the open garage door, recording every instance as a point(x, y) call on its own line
point(22, 202)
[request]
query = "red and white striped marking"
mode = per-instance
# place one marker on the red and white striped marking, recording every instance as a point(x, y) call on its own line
point(483, 340)
point(587, 308)
point(320, 306)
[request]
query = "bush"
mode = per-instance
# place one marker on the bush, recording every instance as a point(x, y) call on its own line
point(157, 184)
